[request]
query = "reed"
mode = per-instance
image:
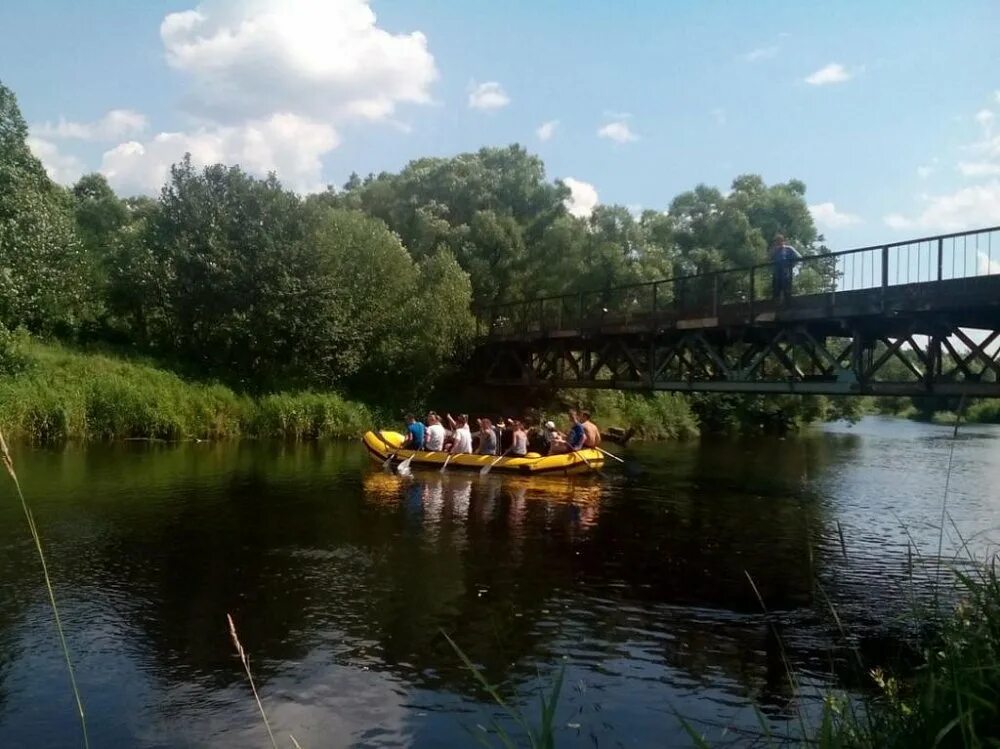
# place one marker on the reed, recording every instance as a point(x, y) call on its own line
point(8, 463)
point(540, 736)
point(245, 660)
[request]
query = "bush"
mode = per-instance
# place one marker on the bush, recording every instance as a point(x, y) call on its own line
point(61, 394)
point(651, 416)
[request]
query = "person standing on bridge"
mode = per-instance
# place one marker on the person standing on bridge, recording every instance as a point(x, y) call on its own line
point(783, 257)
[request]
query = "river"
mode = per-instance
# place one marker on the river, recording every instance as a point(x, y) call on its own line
point(341, 579)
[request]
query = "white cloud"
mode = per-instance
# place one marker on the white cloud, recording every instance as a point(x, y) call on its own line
point(618, 131)
point(761, 53)
point(546, 130)
point(287, 144)
point(488, 96)
point(324, 59)
point(979, 168)
point(832, 73)
point(827, 216)
point(925, 171)
point(967, 208)
point(116, 124)
point(583, 197)
point(985, 118)
point(987, 266)
point(62, 168)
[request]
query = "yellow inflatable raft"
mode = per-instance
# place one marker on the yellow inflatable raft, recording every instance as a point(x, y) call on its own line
point(382, 444)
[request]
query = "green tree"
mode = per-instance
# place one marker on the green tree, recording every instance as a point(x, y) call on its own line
point(43, 281)
point(486, 208)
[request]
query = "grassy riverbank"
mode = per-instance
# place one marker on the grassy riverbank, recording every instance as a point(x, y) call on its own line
point(952, 697)
point(52, 392)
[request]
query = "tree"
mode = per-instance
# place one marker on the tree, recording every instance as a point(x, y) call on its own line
point(486, 208)
point(43, 283)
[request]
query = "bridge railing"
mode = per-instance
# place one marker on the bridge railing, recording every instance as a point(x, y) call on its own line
point(925, 260)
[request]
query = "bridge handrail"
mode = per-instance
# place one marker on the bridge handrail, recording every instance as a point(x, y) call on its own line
point(884, 264)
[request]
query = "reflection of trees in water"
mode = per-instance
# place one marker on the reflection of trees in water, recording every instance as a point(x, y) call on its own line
point(516, 569)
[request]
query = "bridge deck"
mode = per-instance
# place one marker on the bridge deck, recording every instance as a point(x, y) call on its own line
point(892, 332)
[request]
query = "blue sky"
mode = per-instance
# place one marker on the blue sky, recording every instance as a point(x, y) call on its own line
point(888, 111)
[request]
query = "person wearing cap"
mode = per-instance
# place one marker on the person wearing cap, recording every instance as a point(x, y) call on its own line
point(554, 440)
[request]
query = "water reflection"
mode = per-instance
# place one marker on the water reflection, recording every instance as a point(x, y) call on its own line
point(341, 578)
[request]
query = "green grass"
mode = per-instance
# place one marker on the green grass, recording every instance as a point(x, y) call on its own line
point(56, 392)
point(657, 416)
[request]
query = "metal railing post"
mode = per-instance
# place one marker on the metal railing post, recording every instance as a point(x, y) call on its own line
point(940, 259)
point(753, 287)
point(579, 310)
point(885, 266)
point(655, 285)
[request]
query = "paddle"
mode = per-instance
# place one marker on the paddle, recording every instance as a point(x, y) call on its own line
point(404, 467)
point(486, 469)
point(446, 462)
point(610, 455)
point(388, 447)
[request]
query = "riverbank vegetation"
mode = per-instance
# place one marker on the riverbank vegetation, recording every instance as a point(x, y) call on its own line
point(52, 392)
point(367, 291)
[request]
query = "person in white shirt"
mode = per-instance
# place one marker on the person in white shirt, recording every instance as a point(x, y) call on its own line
point(434, 440)
point(519, 445)
point(462, 437)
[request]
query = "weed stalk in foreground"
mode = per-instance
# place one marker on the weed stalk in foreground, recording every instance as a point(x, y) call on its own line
point(245, 660)
point(9, 465)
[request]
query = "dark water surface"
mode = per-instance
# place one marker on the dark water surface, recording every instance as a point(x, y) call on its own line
point(341, 577)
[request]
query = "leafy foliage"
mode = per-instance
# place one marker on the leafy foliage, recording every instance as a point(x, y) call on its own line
point(43, 280)
point(369, 289)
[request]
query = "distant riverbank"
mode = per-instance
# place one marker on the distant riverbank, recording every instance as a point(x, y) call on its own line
point(50, 392)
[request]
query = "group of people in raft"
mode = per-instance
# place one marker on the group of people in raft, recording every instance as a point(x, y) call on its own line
point(504, 437)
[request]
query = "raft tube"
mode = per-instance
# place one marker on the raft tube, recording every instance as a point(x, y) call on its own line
point(384, 443)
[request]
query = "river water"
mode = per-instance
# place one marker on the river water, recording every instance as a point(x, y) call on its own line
point(342, 578)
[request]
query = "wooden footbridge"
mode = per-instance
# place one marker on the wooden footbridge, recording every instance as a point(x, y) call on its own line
point(906, 318)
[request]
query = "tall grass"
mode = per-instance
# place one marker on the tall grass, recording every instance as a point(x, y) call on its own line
point(535, 736)
point(8, 463)
point(656, 416)
point(57, 393)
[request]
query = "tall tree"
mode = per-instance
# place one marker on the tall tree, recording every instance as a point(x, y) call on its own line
point(43, 280)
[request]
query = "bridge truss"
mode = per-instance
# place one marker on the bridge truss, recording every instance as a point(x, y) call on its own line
point(935, 337)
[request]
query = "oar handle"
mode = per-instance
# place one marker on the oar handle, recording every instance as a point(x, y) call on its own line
point(610, 455)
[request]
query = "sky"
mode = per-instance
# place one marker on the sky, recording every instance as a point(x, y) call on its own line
point(888, 110)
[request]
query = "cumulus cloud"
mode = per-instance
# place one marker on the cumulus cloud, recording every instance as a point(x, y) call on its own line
point(761, 53)
point(618, 131)
point(832, 73)
point(546, 130)
point(325, 59)
point(116, 124)
point(827, 216)
point(487, 96)
point(582, 199)
point(269, 82)
point(979, 168)
point(287, 144)
point(967, 208)
point(62, 168)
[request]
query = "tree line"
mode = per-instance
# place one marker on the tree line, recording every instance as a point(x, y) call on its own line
point(368, 288)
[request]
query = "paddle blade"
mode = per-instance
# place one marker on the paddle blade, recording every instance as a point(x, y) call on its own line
point(404, 468)
point(445, 464)
point(485, 469)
